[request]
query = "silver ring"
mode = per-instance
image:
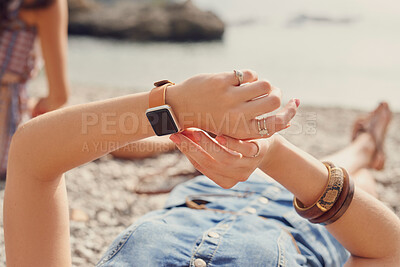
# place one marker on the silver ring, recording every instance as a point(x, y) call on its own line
point(239, 75)
point(262, 130)
point(258, 148)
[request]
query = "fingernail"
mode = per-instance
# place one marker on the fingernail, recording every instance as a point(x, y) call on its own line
point(234, 153)
point(176, 139)
point(287, 126)
point(197, 136)
point(297, 101)
point(185, 132)
point(221, 140)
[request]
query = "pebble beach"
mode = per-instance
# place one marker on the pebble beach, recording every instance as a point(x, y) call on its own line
point(340, 59)
point(103, 195)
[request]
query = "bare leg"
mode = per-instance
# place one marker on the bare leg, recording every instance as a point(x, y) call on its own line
point(148, 147)
point(375, 123)
point(366, 181)
point(366, 150)
point(355, 156)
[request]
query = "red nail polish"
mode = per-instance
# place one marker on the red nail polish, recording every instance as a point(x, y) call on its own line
point(174, 138)
point(297, 101)
point(221, 140)
point(197, 136)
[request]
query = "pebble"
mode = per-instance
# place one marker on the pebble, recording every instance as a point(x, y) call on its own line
point(78, 215)
point(103, 203)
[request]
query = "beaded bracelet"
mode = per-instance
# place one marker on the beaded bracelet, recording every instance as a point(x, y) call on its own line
point(328, 197)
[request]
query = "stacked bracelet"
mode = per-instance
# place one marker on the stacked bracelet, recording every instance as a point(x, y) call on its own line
point(341, 205)
point(333, 202)
point(328, 197)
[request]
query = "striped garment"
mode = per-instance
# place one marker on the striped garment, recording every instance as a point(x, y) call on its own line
point(17, 62)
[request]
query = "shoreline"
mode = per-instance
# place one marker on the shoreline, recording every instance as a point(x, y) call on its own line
point(82, 93)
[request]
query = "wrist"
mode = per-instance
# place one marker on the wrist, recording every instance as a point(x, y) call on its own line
point(271, 151)
point(174, 98)
point(297, 171)
point(57, 99)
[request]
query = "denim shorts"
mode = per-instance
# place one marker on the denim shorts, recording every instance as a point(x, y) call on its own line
point(252, 224)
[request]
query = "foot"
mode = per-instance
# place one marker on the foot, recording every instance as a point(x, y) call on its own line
point(375, 124)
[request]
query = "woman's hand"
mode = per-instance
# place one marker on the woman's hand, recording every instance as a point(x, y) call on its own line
point(216, 103)
point(227, 160)
point(224, 160)
point(226, 167)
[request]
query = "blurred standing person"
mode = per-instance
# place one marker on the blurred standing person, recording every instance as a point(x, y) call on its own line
point(23, 24)
point(29, 28)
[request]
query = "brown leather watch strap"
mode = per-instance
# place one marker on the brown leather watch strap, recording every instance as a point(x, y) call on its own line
point(157, 94)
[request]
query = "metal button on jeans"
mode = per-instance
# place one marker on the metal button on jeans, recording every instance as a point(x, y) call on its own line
point(263, 200)
point(213, 234)
point(199, 263)
point(251, 210)
point(276, 189)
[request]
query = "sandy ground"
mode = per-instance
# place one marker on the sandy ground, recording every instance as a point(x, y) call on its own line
point(102, 193)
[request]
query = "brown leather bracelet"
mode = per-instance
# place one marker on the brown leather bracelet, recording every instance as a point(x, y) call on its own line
point(346, 203)
point(328, 197)
point(339, 202)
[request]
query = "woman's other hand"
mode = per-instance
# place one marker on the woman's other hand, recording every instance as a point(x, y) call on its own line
point(227, 160)
point(219, 104)
point(46, 104)
point(226, 167)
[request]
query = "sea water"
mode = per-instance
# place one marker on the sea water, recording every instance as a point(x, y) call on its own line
point(339, 53)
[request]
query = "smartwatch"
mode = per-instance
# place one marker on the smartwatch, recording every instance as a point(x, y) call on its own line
point(159, 114)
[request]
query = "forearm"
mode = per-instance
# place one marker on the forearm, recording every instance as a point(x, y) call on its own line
point(53, 33)
point(35, 202)
point(66, 138)
point(368, 229)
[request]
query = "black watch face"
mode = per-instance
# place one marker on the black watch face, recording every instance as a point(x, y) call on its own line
point(162, 122)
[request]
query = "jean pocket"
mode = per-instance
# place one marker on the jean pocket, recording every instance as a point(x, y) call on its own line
point(288, 252)
point(117, 245)
point(320, 245)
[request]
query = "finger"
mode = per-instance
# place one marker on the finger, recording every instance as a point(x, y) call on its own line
point(281, 120)
point(253, 90)
point(191, 148)
point(217, 151)
point(37, 112)
point(223, 156)
point(265, 104)
point(201, 161)
point(248, 77)
point(246, 148)
point(221, 180)
point(284, 116)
